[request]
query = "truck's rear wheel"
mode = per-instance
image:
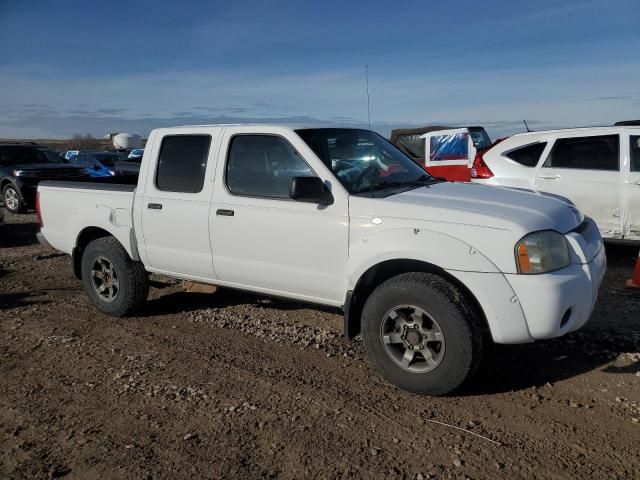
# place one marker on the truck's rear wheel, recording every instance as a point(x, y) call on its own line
point(421, 334)
point(116, 285)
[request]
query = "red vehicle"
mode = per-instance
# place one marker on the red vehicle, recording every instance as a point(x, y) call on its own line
point(454, 154)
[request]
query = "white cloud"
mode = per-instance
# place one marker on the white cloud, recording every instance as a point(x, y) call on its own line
point(553, 96)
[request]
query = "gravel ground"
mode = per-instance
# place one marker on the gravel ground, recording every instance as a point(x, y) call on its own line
point(235, 385)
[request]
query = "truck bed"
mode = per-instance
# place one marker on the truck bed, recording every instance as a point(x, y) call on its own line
point(68, 208)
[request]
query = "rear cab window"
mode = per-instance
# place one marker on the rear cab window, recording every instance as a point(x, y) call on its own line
point(182, 163)
point(528, 155)
point(599, 152)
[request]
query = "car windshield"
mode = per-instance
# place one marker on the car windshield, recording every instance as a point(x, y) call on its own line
point(28, 155)
point(363, 161)
point(107, 159)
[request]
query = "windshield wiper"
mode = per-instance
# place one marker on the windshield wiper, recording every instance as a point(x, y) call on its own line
point(423, 181)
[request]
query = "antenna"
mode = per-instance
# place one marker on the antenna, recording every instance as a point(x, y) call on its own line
point(366, 75)
point(526, 126)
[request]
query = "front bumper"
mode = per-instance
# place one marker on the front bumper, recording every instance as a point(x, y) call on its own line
point(562, 301)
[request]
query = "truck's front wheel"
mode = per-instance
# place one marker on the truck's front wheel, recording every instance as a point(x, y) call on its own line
point(421, 334)
point(116, 285)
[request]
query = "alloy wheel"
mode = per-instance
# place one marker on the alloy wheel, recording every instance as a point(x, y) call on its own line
point(11, 199)
point(412, 339)
point(104, 279)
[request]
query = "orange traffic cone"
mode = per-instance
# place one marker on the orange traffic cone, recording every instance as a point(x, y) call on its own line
point(634, 282)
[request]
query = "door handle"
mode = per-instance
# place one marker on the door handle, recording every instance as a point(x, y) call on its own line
point(154, 206)
point(225, 213)
point(549, 176)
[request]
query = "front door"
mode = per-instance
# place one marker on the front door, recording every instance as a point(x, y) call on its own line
point(264, 240)
point(175, 205)
point(586, 170)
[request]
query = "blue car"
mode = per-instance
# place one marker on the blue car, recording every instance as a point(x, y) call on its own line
point(96, 164)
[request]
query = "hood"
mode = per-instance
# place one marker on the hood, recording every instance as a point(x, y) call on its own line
point(39, 167)
point(474, 205)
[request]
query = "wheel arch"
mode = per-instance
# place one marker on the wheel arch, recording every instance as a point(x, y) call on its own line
point(383, 271)
point(86, 236)
point(4, 182)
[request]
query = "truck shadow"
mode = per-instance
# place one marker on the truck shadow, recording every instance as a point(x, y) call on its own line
point(610, 341)
point(14, 235)
point(175, 300)
point(519, 367)
point(20, 299)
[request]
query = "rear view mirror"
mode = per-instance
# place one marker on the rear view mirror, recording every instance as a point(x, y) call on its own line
point(310, 190)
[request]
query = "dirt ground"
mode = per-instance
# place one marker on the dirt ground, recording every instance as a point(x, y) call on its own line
point(232, 385)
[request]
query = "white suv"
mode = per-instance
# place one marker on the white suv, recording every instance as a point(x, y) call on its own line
point(597, 168)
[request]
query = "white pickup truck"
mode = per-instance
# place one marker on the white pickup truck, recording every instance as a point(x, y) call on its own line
point(428, 271)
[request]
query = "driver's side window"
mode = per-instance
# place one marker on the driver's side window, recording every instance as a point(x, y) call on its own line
point(263, 166)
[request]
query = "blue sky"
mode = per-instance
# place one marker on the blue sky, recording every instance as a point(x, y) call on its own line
point(76, 67)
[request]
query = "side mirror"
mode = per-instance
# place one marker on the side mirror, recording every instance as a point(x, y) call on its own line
point(310, 190)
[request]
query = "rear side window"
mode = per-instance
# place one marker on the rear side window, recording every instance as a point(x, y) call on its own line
point(635, 153)
point(182, 163)
point(263, 166)
point(529, 155)
point(588, 153)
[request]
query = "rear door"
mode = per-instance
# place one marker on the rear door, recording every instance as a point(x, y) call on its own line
point(174, 207)
point(634, 187)
point(586, 169)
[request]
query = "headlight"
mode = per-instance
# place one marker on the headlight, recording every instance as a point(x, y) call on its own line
point(23, 173)
point(542, 252)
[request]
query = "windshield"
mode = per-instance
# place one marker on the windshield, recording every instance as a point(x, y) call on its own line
point(480, 137)
point(28, 155)
point(107, 159)
point(362, 160)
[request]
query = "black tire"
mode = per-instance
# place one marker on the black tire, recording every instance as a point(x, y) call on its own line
point(457, 323)
point(133, 283)
point(12, 199)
